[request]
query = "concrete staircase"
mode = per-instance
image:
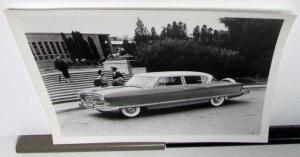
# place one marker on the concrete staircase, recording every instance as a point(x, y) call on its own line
point(61, 92)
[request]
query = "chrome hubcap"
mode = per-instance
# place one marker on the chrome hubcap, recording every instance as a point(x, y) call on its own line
point(131, 110)
point(218, 99)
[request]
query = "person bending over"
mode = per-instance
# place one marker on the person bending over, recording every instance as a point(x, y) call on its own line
point(118, 78)
point(62, 66)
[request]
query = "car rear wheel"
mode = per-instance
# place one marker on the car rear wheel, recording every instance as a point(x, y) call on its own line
point(131, 111)
point(217, 101)
point(229, 80)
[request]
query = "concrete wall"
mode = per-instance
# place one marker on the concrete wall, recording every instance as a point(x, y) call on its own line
point(122, 66)
point(138, 70)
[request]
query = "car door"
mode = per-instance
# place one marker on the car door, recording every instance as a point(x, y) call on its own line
point(170, 91)
point(222, 88)
point(197, 88)
point(138, 97)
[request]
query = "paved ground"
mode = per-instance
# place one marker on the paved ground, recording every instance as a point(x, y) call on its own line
point(238, 116)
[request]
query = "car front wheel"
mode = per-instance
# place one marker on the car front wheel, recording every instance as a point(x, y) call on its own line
point(131, 111)
point(217, 101)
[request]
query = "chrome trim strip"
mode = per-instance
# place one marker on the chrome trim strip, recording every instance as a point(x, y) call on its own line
point(174, 101)
point(111, 108)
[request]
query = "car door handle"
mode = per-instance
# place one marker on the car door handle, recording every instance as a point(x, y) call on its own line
point(185, 88)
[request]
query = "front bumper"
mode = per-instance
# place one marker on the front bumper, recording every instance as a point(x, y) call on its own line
point(245, 91)
point(104, 107)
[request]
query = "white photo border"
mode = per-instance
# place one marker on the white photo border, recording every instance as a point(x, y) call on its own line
point(31, 66)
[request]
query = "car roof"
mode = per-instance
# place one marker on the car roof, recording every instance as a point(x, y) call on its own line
point(173, 73)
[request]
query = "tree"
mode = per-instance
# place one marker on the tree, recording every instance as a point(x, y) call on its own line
point(245, 49)
point(93, 49)
point(177, 54)
point(196, 33)
point(255, 39)
point(174, 31)
point(163, 33)
point(204, 35)
point(129, 48)
point(141, 32)
point(68, 44)
point(79, 48)
point(210, 36)
point(154, 35)
point(183, 30)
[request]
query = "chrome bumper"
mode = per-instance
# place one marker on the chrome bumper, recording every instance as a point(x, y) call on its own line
point(104, 107)
point(245, 91)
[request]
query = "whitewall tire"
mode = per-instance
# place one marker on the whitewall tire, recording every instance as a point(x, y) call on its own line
point(131, 111)
point(229, 80)
point(217, 101)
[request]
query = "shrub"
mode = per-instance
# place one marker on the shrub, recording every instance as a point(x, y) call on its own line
point(176, 55)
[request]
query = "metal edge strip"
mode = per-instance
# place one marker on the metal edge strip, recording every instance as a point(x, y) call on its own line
point(44, 144)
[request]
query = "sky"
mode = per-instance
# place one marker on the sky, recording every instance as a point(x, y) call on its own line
point(121, 23)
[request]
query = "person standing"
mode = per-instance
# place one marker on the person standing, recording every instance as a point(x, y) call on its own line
point(62, 66)
point(118, 78)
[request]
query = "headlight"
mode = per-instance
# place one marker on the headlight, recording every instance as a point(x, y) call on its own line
point(99, 98)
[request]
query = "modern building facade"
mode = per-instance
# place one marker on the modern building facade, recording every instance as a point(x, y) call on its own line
point(46, 46)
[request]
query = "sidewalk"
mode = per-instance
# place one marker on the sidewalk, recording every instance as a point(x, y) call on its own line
point(69, 106)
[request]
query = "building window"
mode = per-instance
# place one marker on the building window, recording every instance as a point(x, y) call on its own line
point(37, 51)
point(64, 47)
point(33, 53)
point(58, 48)
point(53, 47)
point(42, 48)
point(47, 47)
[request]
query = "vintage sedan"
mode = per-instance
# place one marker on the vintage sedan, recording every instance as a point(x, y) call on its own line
point(161, 90)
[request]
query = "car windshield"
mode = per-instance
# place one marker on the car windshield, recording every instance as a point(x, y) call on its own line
point(139, 81)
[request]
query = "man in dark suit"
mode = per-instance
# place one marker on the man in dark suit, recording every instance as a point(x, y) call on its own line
point(118, 78)
point(62, 66)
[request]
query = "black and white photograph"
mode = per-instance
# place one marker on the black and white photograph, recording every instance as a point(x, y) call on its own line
point(153, 75)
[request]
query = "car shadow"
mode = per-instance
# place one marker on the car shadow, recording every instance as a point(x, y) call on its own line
point(172, 110)
point(232, 102)
point(109, 115)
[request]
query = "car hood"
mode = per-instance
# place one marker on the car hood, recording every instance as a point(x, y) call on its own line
point(107, 90)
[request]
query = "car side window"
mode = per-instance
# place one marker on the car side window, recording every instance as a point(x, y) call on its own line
point(169, 81)
point(193, 80)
